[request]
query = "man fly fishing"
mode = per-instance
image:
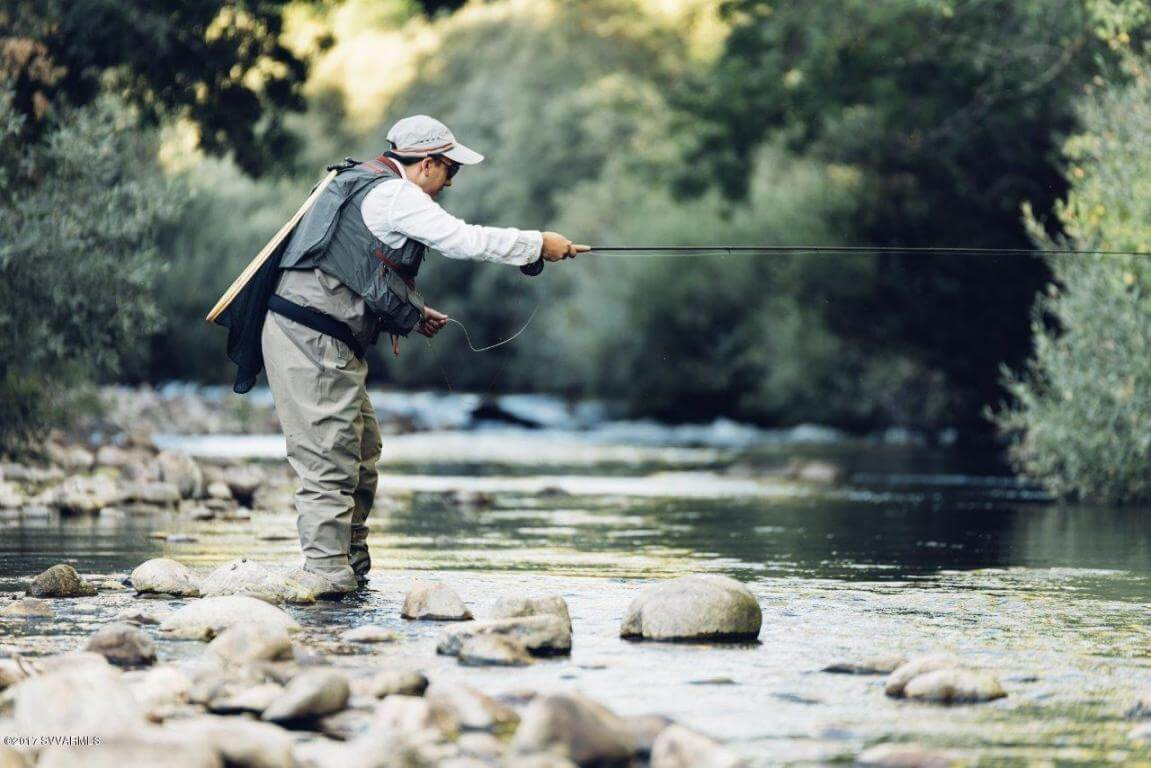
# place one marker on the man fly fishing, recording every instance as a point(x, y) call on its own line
point(325, 289)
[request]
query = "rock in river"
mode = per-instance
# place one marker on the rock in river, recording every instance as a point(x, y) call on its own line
point(87, 699)
point(245, 643)
point(60, 581)
point(519, 607)
point(697, 607)
point(392, 682)
point(903, 674)
point(273, 585)
point(123, 645)
point(240, 742)
point(309, 695)
point(27, 608)
point(905, 756)
point(540, 635)
point(494, 651)
point(181, 470)
point(954, 686)
point(575, 728)
point(679, 747)
point(473, 710)
point(436, 602)
point(164, 576)
point(369, 634)
point(207, 617)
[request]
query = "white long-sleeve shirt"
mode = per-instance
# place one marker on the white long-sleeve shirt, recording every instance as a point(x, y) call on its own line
point(398, 209)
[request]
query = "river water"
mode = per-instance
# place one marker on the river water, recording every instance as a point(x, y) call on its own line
point(918, 550)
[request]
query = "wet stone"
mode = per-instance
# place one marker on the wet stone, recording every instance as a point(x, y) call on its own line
point(181, 470)
point(247, 643)
point(519, 607)
point(397, 682)
point(540, 635)
point(369, 634)
point(273, 585)
point(255, 699)
point(679, 747)
point(954, 686)
point(919, 665)
point(494, 651)
point(470, 708)
point(238, 741)
point(411, 714)
point(905, 756)
point(162, 575)
point(27, 608)
point(60, 581)
point(875, 665)
point(207, 617)
point(575, 728)
point(434, 602)
point(309, 695)
point(697, 607)
point(123, 645)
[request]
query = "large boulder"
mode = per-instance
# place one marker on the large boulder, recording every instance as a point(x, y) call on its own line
point(124, 645)
point(679, 747)
point(309, 695)
point(435, 602)
point(575, 728)
point(273, 585)
point(540, 635)
point(181, 470)
point(60, 580)
point(164, 576)
point(209, 616)
point(697, 607)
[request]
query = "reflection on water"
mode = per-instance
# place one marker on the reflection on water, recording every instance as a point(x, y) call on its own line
point(914, 553)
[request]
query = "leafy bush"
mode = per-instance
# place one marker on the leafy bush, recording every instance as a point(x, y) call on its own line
point(1082, 417)
point(79, 215)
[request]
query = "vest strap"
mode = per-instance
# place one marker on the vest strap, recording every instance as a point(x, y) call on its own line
point(316, 320)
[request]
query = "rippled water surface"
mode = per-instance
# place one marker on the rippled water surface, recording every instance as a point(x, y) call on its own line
point(916, 551)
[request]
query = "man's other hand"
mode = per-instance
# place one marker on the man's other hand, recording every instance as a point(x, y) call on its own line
point(432, 323)
point(557, 247)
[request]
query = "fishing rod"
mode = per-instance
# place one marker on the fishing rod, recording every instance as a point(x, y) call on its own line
point(673, 251)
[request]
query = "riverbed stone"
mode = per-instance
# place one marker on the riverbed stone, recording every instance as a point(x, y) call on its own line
point(679, 747)
point(134, 751)
point(494, 651)
point(369, 634)
point(576, 728)
point(253, 699)
point(27, 608)
point(919, 665)
point(142, 616)
point(412, 714)
point(696, 607)
point(165, 576)
point(82, 494)
point(644, 730)
point(86, 699)
point(433, 601)
point(207, 617)
point(12, 671)
point(248, 643)
point(10, 496)
point(954, 686)
point(238, 741)
point(273, 585)
point(181, 470)
point(471, 709)
point(872, 665)
point(219, 490)
point(905, 756)
point(515, 607)
point(392, 682)
point(123, 644)
point(309, 695)
point(540, 635)
point(163, 689)
point(154, 492)
point(243, 481)
point(60, 580)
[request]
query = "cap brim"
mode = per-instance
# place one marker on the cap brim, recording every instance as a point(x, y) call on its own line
point(463, 155)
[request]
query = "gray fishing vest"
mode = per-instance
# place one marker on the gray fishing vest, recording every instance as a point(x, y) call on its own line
point(333, 238)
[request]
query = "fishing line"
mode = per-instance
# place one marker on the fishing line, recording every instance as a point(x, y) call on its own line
point(665, 251)
point(508, 340)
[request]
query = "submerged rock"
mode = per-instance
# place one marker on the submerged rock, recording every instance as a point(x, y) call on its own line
point(875, 665)
point(905, 756)
point(27, 608)
point(207, 617)
point(309, 695)
point(540, 635)
point(60, 581)
point(434, 602)
point(369, 634)
point(471, 709)
point(697, 607)
point(164, 576)
point(123, 645)
point(954, 686)
point(679, 747)
point(494, 651)
point(919, 665)
point(575, 728)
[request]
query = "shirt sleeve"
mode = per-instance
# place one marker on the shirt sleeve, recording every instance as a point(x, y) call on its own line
point(401, 207)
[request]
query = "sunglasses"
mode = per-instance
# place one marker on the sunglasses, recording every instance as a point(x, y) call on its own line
point(453, 168)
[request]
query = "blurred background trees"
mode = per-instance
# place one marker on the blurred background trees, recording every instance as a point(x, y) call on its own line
point(903, 122)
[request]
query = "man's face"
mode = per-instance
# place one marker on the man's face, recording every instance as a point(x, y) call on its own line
point(438, 173)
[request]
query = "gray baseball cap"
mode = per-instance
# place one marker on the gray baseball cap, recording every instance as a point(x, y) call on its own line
point(420, 136)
